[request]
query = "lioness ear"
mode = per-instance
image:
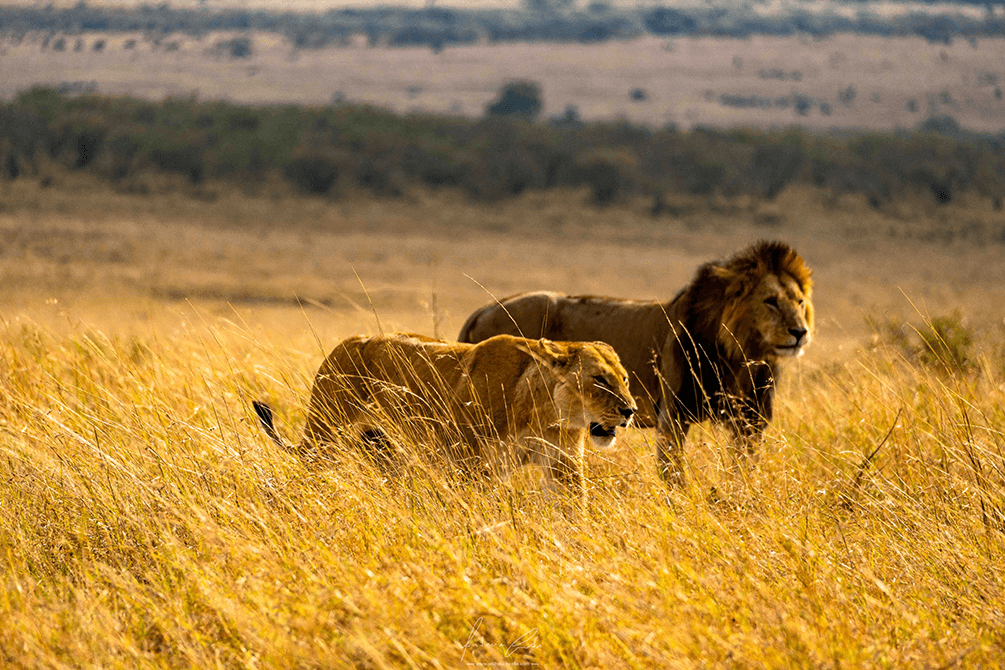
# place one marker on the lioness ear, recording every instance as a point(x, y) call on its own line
point(561, 356)
point(549, 353)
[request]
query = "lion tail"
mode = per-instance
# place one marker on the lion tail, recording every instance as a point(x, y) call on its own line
point(265, 417)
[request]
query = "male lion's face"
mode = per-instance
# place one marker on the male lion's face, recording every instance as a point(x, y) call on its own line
point(594, 392)
point(781, 315)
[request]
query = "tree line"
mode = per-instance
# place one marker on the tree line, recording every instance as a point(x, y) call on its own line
point(551, 20)
point(330, 150)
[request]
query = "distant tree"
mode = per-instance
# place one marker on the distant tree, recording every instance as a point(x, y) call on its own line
point(238, 47)
point(568, 119)
point(548, 6)
point(520, 98)
point(663, 21)
point(846, 96)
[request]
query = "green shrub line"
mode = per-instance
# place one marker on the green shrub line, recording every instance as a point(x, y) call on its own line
point(329, 149)
point(536, 20)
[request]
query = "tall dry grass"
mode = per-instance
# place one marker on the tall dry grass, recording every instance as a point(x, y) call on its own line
point(147, 522)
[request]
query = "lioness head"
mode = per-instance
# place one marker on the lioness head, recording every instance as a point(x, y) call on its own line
point(767, 310)
point(592, 392)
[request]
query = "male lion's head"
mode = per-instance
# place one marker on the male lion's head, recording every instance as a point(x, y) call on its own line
point(765, 302)
point(592, 391)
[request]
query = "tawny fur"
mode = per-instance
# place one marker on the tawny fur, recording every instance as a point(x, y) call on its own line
point(712, 352)
point(504, 402)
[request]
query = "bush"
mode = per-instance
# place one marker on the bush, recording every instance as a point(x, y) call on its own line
point(773, 166)
point(611, 173)
point(434, 164)
point(82, 136)
point(120, 150)
point(947, 343)
point(379, 176)
point(180, 155)
point(520, 98)
point(945, 125)
point(316, 170)
point(704, 178)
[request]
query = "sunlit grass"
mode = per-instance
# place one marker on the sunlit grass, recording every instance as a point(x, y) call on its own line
point(146, 520)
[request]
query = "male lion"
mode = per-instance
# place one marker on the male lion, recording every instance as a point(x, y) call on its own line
point(505, 401)
point(713, 352)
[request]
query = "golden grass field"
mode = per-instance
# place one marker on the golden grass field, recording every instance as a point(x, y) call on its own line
point(683, 78)
point(147, 521)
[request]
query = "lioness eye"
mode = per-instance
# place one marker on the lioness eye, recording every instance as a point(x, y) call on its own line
point(771, 302)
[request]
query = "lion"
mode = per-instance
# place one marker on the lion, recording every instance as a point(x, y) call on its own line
point(504, 401)
point(712, 352)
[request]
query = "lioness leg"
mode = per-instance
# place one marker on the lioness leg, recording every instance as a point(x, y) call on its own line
point(671, 432)
point(562, 466)
point(568, 472)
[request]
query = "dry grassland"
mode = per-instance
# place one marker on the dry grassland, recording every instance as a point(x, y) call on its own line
point(147, 521)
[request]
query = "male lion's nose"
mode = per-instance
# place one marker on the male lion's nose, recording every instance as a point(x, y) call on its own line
point(627, 412)
point(798, 333)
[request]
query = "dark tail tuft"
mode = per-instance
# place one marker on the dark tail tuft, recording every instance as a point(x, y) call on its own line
point(264, 413)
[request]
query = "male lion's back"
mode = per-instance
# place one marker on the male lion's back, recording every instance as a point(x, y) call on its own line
point(528, 315)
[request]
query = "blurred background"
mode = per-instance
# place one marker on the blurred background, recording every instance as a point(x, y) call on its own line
point(262, 154)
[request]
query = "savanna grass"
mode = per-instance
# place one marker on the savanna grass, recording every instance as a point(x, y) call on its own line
point(147, 522)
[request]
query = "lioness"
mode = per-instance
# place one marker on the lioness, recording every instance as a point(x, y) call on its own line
point(507, 400)
point(713, 352)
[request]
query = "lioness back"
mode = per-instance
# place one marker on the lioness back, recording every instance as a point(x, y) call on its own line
point(363, 370)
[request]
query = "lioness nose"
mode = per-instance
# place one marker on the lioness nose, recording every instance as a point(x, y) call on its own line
point(798, 333)
point(627, 412)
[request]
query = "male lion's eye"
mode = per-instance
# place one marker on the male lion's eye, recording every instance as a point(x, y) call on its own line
point(600, 381)
point(771, 302)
